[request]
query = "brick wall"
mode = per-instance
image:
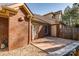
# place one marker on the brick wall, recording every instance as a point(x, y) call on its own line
point(18, 31)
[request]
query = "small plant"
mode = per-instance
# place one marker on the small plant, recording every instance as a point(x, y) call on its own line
point(4, 44)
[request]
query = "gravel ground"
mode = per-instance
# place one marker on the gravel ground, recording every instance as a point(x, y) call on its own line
point(29, 50)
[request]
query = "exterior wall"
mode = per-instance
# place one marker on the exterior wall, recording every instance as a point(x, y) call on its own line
point(3, 30)
point(39, 30)
point(55, 30)
point(49, 16)
point(58, 17)
point(54, 17)
point(18, 31)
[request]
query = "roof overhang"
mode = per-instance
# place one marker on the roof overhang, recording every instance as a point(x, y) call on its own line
point(9, 10)
point(21, 5)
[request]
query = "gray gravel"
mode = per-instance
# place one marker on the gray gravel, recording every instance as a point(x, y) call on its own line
point(29, 50)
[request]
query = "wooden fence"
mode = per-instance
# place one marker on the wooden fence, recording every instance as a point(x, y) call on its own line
point(69, 33)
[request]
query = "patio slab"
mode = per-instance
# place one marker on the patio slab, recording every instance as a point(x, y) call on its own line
point(66, 51)
point(51, 44)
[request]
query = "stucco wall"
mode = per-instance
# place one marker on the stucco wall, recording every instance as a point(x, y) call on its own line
point(18, 31)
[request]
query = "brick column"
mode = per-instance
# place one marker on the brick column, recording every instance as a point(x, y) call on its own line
point(30, 29)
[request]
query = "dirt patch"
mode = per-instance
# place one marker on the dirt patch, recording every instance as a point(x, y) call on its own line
point(29, 50)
